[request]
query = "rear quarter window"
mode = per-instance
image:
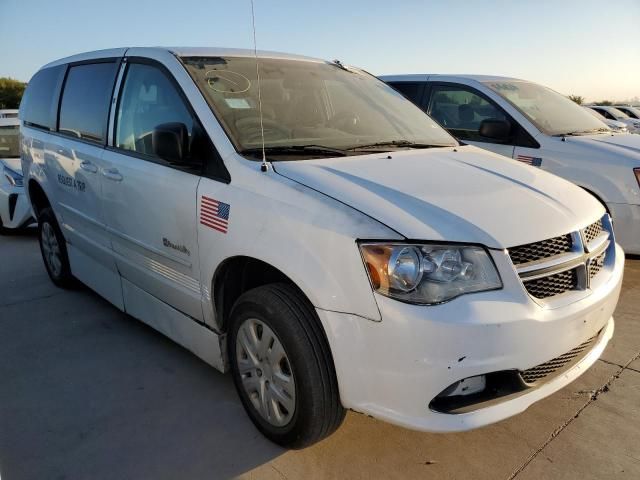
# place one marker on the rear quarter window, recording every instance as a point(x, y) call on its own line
point(38, 107)
point(85, 100)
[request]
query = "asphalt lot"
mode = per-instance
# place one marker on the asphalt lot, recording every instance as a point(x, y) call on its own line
point(87, 392)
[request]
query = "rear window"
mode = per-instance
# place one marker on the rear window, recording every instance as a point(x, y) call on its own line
point(37, 107)
point(85, 101)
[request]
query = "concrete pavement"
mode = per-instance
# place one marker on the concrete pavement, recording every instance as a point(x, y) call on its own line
point(87, 392)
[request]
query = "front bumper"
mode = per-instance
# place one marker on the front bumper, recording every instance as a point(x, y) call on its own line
point(393, 369)
point(15, 211)
point(626, 223)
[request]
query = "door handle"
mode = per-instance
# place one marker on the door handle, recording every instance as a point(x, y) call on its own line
point(88, 166)
point(112, 174)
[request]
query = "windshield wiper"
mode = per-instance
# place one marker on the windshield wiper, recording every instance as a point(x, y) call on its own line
point(297, 149)
point(582, 132)
point(395, 143)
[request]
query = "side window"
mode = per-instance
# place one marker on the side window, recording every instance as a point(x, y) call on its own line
point(85, 101)
point(607, 114)
point(461, 111)
point(37, 106)
point(411, 90)
point(148, 99)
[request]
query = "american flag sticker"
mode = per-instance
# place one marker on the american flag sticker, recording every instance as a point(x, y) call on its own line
point(214, 214)
point(533, 161)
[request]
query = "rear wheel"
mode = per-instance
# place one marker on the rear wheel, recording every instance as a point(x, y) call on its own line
point(282, 366)
point(54, 250)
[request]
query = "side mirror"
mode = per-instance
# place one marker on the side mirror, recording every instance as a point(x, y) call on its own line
point(170, 141)
point(499, 130)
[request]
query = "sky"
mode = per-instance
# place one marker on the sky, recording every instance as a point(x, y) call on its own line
point(582, 47)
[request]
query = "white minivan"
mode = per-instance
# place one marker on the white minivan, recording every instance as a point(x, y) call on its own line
point(367, 262)
point(540, 127)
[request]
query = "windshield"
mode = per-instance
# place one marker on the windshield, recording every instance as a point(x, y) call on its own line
point(313, 106)
point(9, 142)
point(551, 112)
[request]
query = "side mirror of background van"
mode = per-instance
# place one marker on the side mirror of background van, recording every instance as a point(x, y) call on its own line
point(494, 129)
point(170, 141)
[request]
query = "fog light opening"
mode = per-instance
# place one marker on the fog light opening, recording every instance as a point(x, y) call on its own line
point(467, 386)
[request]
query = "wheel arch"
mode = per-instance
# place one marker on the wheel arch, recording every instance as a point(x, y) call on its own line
point(37, 197)
point(238, 274)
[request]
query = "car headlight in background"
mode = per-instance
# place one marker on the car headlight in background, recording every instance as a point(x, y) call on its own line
point(14, 178)
point(427, 274)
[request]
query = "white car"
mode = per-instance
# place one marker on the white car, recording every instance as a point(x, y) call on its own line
point(9, 113)
point(539, 127)
point(15, 211)
point(630, 111)
point(367, 261)
point(614, 125)
point(612, 113)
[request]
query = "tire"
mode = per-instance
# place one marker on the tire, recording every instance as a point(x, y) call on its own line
point(53, 248)
point(312, 387)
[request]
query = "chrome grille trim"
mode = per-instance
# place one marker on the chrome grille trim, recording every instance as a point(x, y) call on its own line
point(548, 275)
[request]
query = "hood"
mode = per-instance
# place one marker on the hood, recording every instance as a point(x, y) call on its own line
point(624, 144)
point(461, 194)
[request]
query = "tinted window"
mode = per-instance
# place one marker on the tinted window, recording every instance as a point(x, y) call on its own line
point(85, 100)
point(461, 111)
point(148, 99)
point(37, 106)
point(411, 90)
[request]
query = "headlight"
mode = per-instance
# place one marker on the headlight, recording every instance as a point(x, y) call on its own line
point(428, 274)
point(14, 178)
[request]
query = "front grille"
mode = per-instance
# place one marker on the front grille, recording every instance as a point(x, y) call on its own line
point(552, 285)
point(542, 371)
point(596, 264)
point(539, 250)
point(592, 231)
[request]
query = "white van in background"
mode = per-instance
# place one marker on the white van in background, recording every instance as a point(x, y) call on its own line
point(540, 127)
point(613, 113)
point(614, 125)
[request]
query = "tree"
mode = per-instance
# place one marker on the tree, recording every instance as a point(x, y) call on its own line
point(604, 103)
point(577, 98)
point(10, 92)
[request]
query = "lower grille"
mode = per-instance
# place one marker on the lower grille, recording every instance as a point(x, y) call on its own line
point(552, 285)
point(542, 371)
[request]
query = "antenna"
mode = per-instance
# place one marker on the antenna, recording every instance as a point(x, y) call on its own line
point(264, 167)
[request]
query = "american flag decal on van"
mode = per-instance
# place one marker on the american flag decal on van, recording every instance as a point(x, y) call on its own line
point(214, 214)
point(533, 161)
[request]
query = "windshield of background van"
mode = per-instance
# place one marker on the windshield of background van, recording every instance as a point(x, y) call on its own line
point(308, 103)
point(551, 112)
point(9, 142)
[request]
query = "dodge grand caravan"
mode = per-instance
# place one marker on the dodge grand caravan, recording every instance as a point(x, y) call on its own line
point(540, 127)
point(366, 262)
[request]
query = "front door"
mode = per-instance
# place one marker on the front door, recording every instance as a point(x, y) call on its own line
point(461, 110)
point(150, 205)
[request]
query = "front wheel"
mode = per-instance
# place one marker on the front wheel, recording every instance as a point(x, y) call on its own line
point(282, 366)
